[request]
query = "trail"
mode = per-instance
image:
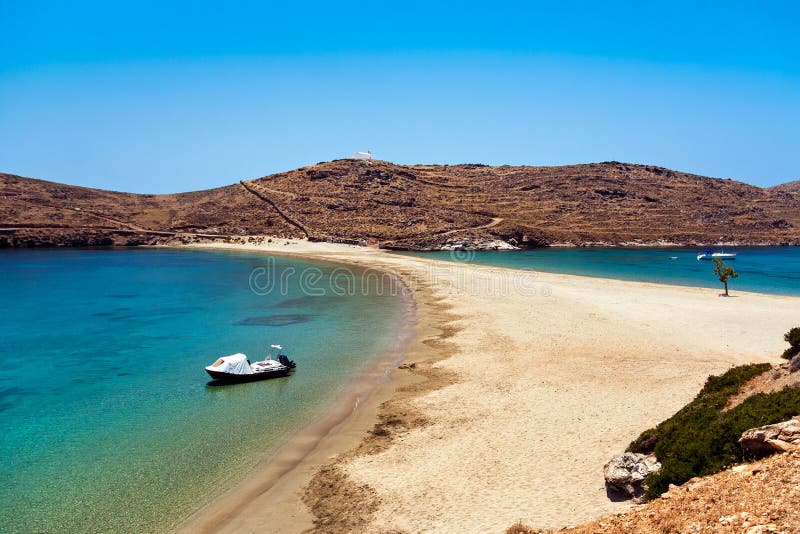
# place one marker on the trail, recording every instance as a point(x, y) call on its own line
point(90, 213)
point(126, 226)
point(279, 211)
point(495, 221)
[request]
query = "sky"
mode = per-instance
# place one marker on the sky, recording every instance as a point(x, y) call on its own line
point(154, 98)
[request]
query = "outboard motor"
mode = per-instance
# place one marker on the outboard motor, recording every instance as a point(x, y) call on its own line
point(284, 360)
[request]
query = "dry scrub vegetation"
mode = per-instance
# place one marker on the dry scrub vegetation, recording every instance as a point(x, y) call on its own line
point(421, 206)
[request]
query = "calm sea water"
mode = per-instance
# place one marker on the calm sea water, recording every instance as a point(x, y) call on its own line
point(107, 423)
point(761, 269)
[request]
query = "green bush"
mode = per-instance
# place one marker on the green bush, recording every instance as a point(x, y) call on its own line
point(701, 439)
point(792, 337)
point(715, 394)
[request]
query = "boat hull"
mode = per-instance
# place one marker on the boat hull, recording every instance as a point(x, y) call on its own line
point(718, 256)
point(232, 378)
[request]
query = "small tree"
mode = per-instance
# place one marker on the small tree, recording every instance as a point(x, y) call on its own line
point(792, 337)
point(724, 273)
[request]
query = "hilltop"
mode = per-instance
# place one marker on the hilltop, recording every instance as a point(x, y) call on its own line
point(788, 187)
point(416, 207)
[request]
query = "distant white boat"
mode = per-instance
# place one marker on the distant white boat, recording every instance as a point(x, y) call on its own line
point(710, 255)
point(719, 254)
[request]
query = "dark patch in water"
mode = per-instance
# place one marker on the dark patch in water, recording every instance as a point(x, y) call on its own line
point(309, 301)
point(8, 396)
point(275, 320)
point(110, 313)
point(116, 317)
point(175, 310)
point(123, 374)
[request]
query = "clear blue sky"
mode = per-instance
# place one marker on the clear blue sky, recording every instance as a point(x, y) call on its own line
point(145, 97)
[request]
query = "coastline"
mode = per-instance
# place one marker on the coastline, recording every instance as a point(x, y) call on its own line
point(285, 466)
point(443, 416)
point(646, 265)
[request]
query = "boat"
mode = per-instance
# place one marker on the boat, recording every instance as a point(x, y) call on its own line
point(718, 254)
point(710, 255)
point(237, 368)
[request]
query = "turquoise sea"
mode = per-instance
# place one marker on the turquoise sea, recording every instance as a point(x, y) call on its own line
point(107, 421)
point(761, 269)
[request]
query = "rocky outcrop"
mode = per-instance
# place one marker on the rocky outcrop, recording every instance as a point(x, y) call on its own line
point(761, 498)
point(477, 244)
point(794, 364)
point(769, 439)
point(626, 473)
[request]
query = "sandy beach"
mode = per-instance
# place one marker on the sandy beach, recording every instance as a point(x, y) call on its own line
point(517, 389)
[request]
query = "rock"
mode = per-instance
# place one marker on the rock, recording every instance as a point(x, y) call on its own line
point(780, 446)
point(768, 439)
point(626, 473)
point(696, 485)
point(468, 243)
point(794, 364)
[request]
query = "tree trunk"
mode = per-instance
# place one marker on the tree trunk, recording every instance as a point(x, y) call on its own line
point(726, 287)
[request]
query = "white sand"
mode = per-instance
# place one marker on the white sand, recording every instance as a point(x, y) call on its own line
point(556, 374)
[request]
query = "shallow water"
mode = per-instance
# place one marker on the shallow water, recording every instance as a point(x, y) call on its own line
point(761, 269)
point(107, 423)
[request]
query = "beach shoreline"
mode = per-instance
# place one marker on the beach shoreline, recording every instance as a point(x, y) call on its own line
point(350, 413)
point(462, 311)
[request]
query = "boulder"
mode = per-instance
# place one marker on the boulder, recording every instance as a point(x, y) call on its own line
point(794, 364)
point(768, 439)
point(626, 473)
point(476, 243)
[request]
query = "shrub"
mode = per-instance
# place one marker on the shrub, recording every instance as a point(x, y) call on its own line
point(701, 439)
point(715, 394)
point(793, 338)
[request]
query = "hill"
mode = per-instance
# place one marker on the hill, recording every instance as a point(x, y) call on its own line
point(788, 187)
point(416, 207)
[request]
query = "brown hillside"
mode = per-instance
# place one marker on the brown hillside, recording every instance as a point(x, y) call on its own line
point(788, 187)
point(418, 206)
point(48, 213)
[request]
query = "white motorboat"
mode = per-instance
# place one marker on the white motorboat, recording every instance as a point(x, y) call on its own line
point(710, 255)
point(720, 254)
point(237, 368)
